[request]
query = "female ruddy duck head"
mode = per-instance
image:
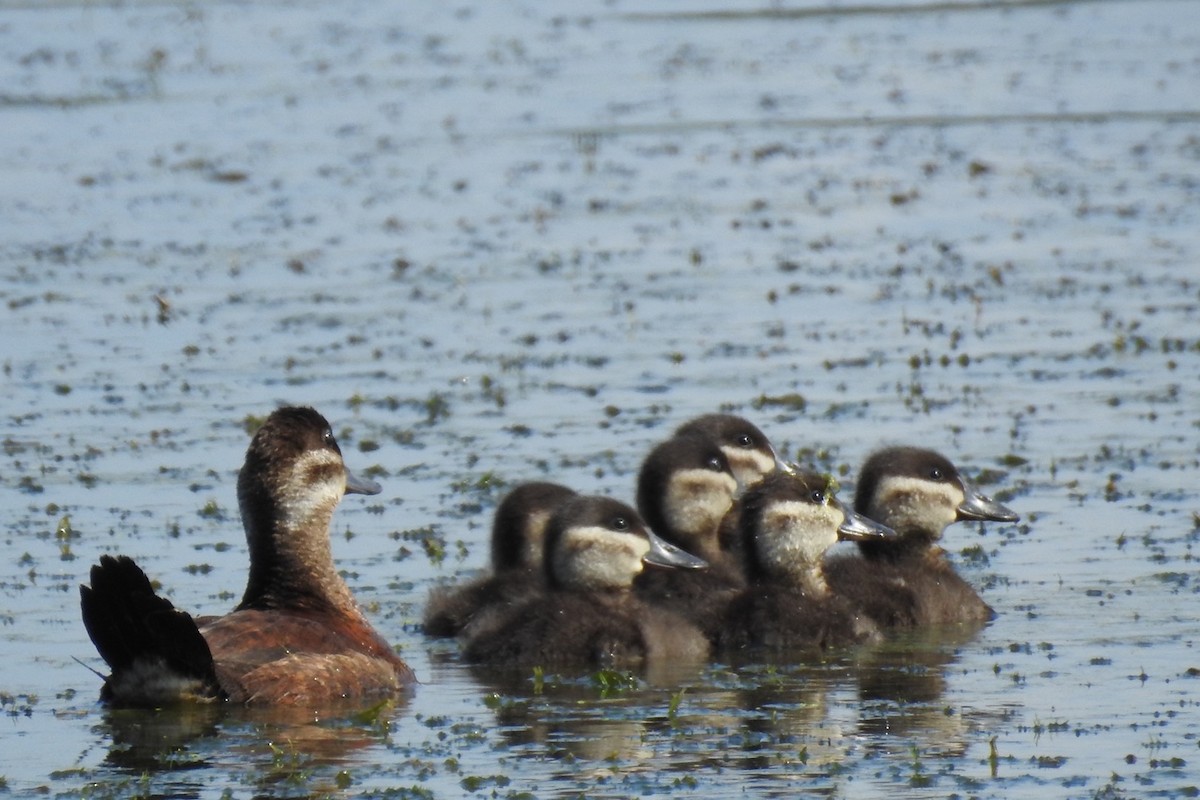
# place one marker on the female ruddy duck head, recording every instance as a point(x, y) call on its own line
point(788, 522)
point(291, 482)
point(685, 489)
point(919, 492)
point(750, 453)
point(597, 544)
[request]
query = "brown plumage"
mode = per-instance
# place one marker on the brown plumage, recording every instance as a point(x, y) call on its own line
point(788, 522)
point(685, 490)
point(297, 637)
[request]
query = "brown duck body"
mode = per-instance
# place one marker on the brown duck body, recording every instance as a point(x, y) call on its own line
point(298, 637)
point(910, 581)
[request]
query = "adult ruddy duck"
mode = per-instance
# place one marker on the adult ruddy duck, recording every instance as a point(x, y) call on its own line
point(297, 637)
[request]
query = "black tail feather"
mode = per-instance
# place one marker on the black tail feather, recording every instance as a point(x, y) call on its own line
point(129, 623)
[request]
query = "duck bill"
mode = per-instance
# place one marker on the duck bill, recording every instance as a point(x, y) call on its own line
point(858, 528)
point(785, 467)
point(357, 485)
point(664, 554)
point(980, 506)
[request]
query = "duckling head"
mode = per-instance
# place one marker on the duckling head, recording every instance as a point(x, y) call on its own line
point(685, 488)
point(919, 493)
point(788, 522)
point(750, 454)
point(597, 544)
point(519, 524)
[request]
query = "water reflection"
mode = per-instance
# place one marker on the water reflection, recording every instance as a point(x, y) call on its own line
point(785, 716)
point(268, 746)
point(901, 686)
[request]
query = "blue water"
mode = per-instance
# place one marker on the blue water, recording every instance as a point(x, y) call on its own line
point(495, 242)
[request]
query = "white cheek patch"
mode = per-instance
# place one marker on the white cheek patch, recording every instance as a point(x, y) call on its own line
point(907, 504)
point(748, 465)
point(595, 558)
point(313, 487)
point(535, 536)
point(794, 536)
point(697, 500)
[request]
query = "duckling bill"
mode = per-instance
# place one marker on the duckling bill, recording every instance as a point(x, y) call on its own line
point(297, 637)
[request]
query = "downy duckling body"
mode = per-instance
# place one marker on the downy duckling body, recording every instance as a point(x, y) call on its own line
point(685, 489)
point(297, 637)
point(909, 581)
point(589, 615)
point(518, 533)
point(788, 522)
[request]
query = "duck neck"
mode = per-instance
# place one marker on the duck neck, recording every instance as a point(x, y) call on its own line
point(291, 560)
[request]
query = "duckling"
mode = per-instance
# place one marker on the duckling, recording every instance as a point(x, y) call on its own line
point(750, 453)
point(685, 490)
point(297, 637)
point(908, 580)
point(518, 532)
point(589, 615)
point(788, 522)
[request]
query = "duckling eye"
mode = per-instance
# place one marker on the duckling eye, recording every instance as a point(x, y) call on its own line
point(620, 524)
point(715, 465)
point(935, 474)
point(327, 437)
point(818, 497)
point(744, 440)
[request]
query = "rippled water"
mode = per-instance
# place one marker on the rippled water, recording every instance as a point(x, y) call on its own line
point(495, 242)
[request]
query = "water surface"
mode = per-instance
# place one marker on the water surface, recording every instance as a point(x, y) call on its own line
point(497, 242)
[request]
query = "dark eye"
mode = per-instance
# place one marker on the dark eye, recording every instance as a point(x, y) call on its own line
point(715, 465)
point(620, 524)
point(744, 440)
point(935, 473)
point(327, 437)
point(818, 497)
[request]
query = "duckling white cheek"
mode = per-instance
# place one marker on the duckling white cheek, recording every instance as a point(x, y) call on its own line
point(591, 559)
point(697, 500)
point(795, 535)
point(748, 465)
point(911, 503)
point(535, 535)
